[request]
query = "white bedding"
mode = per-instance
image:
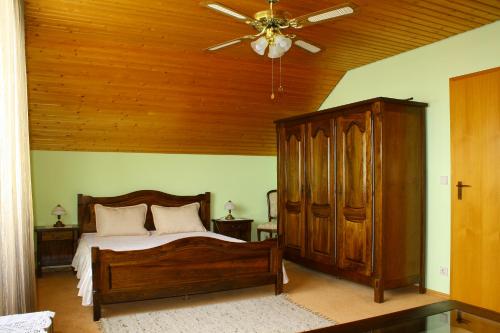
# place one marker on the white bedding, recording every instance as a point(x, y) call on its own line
point(82, 262)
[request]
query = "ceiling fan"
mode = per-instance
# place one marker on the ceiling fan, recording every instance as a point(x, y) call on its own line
point(270, 25)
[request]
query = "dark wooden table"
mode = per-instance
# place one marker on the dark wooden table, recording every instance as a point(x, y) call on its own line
point(443, 315)
point(55, 246)
point(237, 228)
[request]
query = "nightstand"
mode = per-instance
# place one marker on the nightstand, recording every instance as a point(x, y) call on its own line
point(237, 228)
point(55, 247)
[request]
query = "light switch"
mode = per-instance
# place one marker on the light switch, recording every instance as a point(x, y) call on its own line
point(443, 180)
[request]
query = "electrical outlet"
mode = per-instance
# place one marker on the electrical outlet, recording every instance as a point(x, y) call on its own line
point(443, 271)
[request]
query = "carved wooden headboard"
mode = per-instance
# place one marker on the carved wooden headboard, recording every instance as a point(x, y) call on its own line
point(86, 213)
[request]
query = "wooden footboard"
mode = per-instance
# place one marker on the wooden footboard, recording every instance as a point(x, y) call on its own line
point(182, 267)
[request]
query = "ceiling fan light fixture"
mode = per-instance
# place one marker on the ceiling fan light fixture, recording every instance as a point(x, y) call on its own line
point(306, 46)
point(272, 34)
point(331, 14)
point(225, 10)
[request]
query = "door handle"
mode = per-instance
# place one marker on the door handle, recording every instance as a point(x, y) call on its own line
point(460, 185)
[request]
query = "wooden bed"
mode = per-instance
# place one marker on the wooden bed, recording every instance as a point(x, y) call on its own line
point(182, 267)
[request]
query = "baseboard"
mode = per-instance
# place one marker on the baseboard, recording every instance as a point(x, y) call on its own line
point(437, 294)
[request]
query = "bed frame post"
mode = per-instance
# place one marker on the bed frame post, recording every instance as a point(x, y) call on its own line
point(96, 295)
point(83, 212)
point(205, 209)
point(277, 264)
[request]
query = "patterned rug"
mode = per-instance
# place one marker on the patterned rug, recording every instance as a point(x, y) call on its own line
point(270, 314)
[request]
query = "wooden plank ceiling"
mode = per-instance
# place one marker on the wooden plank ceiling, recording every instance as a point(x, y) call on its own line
point(128, 75)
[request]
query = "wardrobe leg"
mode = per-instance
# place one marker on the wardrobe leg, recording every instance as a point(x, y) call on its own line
point(378, 293)
point(421, 285)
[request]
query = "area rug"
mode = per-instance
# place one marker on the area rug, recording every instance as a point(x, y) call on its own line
point(270, 314)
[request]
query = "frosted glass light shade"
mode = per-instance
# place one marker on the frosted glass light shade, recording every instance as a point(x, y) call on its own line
point(275, 51)
point(229, 205)
point(58, 210)
point(283, 42)
point(259, 45)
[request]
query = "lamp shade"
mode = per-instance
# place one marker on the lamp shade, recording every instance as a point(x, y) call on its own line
point(229, 205)
point(259, 46)
point(58, 210)
point(275, 51)
point(283, 42)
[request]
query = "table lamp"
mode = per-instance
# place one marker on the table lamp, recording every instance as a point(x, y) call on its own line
point(58, 211)
point(229, 206)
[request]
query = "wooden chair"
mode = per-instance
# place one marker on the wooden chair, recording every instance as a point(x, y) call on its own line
point(272, 212)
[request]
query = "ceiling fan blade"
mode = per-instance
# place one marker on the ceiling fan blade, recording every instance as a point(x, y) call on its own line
point(323, 15)
point(307, 46)
point(227, 11)
point(228, 43)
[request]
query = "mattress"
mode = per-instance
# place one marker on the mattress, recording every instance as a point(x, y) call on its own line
point(82, 261)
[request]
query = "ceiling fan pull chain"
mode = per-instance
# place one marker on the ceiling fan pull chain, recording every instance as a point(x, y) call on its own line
point(272, 78)
point(280, 89)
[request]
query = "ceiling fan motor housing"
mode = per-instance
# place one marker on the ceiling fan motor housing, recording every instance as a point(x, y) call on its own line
point(267, 19)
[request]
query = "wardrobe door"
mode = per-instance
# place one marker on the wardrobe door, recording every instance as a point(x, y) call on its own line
point(320, 188)
point(354, 192)
point(291, 188)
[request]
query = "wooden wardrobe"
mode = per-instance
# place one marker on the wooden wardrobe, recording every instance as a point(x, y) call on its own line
point(351, 192)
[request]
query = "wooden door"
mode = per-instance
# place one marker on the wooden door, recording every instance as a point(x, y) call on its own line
point(354, 192)
point(291, 189)
point(320, 191)
point(475, 159)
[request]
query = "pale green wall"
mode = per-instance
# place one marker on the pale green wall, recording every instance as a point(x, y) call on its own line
point(424, 75)
point(59, 176)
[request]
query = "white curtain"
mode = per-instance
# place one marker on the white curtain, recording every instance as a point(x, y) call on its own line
point(17, 268)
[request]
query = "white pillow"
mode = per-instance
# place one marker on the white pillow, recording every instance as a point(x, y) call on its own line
point(121, 221)
point(172, 220)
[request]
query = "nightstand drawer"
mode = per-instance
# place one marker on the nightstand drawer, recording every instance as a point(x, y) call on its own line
point(57, 235)
point(240, 228)
point(234, 226)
